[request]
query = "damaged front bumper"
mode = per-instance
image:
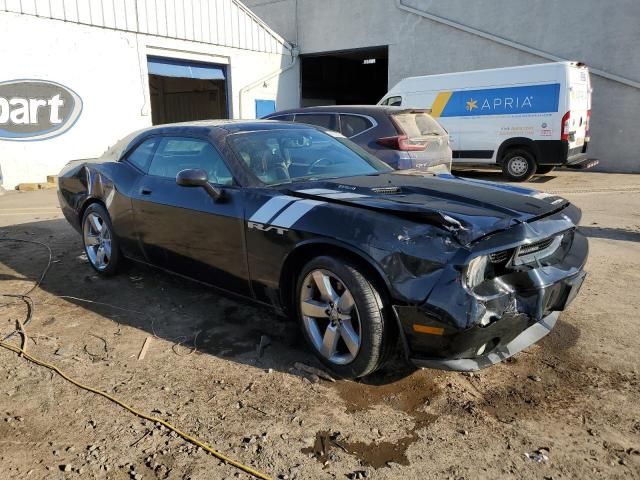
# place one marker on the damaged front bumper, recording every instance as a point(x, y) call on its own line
point(458, 328)
point(501, 352)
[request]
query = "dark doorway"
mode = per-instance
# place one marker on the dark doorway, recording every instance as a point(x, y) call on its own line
point(182, 91)
point(357, 77)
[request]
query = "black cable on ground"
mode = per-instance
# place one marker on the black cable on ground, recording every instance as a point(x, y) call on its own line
point(29, 302)
point(21, 352)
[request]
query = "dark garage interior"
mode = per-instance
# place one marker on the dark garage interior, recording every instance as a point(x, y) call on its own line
point(348, 77)
point(182, 91)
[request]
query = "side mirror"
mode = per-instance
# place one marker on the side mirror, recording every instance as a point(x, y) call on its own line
point(197, 178)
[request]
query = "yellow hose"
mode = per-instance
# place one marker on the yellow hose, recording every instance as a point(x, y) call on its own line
point(187, 437)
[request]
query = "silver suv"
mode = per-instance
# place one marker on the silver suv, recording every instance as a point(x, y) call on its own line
point(404, 138)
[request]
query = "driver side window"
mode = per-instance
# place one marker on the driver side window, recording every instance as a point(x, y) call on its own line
point(175, 154)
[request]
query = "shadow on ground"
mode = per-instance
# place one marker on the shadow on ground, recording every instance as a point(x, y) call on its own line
point(624, 234)
point(188, 314)
point(496, 176)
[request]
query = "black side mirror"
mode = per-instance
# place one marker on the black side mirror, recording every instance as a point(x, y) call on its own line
point(195, 177)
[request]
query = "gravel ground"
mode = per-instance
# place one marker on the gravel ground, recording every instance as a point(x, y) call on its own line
point(567, 407)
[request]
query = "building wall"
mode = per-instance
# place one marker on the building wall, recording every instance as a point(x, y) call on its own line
point(107, 68)
point(604, 35)
point(219, 22)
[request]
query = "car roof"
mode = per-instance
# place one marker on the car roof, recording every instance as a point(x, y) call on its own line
point(199, 128)
point(360, 109)
point(205, 126)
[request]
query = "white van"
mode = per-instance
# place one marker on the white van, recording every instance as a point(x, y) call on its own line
point(525, 119)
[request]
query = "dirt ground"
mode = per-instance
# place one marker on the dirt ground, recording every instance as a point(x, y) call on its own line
point(572, 401)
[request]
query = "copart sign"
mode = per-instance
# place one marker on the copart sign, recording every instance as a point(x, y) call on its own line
point(36, 109)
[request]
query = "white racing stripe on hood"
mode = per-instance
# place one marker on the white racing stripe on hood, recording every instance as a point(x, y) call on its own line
point(267, 211)
point(317, 191)
point(294, 212)
point(325, 192)
point(344, 195)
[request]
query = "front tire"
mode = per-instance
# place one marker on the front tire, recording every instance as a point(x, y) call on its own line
point(518, 165)
point(100, 243)
point(342, 318)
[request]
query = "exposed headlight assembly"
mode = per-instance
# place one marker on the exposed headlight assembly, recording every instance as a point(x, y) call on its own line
point(476, 271)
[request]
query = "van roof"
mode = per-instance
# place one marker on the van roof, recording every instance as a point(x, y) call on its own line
point(519, 67)
point(361, 109)
point(507, 76)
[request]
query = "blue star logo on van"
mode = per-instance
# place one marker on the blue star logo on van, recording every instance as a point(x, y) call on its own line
point(472, 104)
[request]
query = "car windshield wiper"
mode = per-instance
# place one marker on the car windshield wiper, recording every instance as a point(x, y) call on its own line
point(299, 179)
point(313, 178)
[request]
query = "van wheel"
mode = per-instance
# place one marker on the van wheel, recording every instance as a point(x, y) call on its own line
point(518, 165)
point(543, 169)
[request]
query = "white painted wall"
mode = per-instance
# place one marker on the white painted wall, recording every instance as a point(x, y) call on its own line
point(107, 68)
point(219, 22)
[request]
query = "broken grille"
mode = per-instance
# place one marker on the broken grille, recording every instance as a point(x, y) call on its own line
point(535, 247)
point(527, 253)
point(500, 257)
point(538, 250)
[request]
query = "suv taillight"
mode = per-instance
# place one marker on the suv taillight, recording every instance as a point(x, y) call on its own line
point(565, 126)
point(401, 142)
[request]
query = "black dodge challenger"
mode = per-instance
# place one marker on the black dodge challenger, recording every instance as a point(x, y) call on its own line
point(460, 274)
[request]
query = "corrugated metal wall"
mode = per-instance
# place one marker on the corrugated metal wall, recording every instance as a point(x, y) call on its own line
point(219, 22)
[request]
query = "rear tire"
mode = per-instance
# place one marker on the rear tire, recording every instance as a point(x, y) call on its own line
point(518, 165)
point(544, 169)
point(341, 314)
point(100, 242)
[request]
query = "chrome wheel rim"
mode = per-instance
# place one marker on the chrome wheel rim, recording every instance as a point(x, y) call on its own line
point(518, 166)
point(330, 317)
point(97, 240)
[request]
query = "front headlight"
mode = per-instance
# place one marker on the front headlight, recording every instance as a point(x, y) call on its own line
point(476, 272)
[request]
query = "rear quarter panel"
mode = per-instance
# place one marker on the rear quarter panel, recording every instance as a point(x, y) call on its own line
point(109, 183)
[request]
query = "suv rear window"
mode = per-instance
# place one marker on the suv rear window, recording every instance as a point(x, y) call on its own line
point(282, 118)
point(326, 120)
point(352, 125)
point(416, 124)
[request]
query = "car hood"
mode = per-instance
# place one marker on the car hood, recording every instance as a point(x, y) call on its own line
point(470, 209)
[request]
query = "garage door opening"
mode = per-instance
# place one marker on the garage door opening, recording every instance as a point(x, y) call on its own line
point(182, 91)
point(348, 77)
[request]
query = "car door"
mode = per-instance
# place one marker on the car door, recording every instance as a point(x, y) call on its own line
point(186, 230)
point(130, 169)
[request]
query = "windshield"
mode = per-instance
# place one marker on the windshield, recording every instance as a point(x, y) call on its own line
point(290, 155)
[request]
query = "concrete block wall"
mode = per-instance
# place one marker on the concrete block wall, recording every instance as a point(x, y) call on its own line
point(604, 35)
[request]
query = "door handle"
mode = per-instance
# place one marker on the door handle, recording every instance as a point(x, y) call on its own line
point(145, 191)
